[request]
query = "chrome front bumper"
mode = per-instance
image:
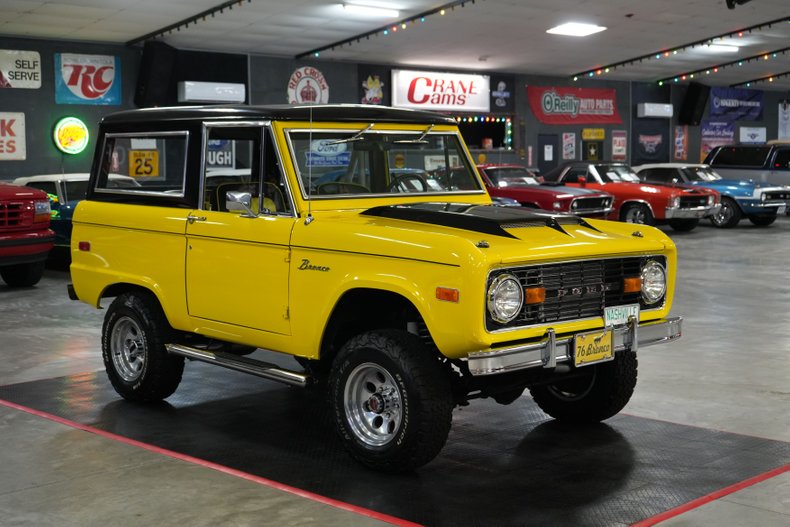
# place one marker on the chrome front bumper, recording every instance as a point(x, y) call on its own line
point(696, 212)
point(551, 350)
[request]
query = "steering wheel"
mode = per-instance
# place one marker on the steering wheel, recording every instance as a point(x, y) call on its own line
point(398, 182)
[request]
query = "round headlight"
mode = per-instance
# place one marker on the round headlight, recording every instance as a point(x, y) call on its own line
point(557, 205)
point(505, 298)
point(763, 196)
point(674, 202)
point(654, 282)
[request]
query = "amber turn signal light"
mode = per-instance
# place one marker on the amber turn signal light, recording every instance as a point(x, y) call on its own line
point(534, 295)
point(447, 294)
point(632, 285)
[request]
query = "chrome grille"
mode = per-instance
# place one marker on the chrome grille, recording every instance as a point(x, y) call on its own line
point(692, 202)
point(580, 205)
point(574, 290)
point(772, 195)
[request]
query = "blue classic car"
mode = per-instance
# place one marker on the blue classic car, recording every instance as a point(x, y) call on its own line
point(65, 191)
point(760, 202)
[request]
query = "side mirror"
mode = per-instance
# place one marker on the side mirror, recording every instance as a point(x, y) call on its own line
point(238, 200)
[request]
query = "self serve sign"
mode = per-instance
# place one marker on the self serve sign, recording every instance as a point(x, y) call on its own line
point(12, 136)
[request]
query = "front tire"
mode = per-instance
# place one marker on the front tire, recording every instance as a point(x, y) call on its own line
point(728, 215)
point(391, 400)
point(598, 395)
point(637, 213)
point(134, 334)
point(23, 275)
point(762, 221)
point(684, 225)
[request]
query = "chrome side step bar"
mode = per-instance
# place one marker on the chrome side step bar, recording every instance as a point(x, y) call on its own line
point(242, 364)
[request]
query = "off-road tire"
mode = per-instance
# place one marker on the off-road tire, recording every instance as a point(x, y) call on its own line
point(398, 365)
point(134, 334)
point(22, 275)
point(728, 215)
point(599, 395)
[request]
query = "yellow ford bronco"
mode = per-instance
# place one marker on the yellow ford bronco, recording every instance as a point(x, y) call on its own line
point(360, 241)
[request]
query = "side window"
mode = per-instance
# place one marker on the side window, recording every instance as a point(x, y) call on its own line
point(46, 186)
point(573, 175)
point(658, 175)
point(782, 160)
point(156, 163)
point(242, 159)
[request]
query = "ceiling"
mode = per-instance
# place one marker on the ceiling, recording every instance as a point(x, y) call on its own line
point(477, 35)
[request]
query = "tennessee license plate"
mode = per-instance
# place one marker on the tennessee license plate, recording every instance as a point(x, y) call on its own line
point(596, 346)
point(619, 315)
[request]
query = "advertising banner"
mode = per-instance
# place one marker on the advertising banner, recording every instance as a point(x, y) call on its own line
point(12, 136)
point(715, 133)
point(651, 141)
point(561, 105)
point(568, 146)
point(681, 150)
point(502, 93)
point(20, 69)
point(736, 104)
point(753, 134)
point(619, 145)
point(429, 90)
point(87, 79)
point(784, 120)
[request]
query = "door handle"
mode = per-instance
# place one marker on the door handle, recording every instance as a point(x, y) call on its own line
point(192, 219)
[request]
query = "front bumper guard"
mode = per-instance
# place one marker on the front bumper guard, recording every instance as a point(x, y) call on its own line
point(696, 212)
point(552, 349)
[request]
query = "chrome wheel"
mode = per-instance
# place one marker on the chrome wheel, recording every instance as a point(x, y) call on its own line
point(636, 214)
point(127, 348)
point(372, 403)
point(725, 214)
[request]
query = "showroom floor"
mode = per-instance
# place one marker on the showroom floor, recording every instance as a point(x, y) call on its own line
point(704, 441)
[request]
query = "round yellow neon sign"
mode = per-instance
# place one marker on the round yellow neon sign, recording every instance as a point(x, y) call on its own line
point(71, 135)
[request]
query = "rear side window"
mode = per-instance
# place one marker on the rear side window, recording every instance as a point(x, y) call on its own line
point(659, 175)
point(156, 162)
point(739, 156)
point(782, 160)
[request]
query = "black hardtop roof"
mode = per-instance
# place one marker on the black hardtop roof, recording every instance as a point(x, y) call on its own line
point(324, 112)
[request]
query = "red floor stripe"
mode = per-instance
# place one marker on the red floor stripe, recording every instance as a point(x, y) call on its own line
point(713, 496)
point(219, 468)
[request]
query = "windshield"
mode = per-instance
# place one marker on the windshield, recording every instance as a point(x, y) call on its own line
point(701, 174)
point(511, 177)
point(616, 174)
point(355, 164)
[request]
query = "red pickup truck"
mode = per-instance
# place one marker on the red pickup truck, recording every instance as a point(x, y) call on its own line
point(25, 236)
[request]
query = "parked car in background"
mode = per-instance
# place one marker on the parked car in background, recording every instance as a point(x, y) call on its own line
point(519, 183)
point(768, 163)
point(65, 191)
point(638, 202)
point(25, 236)
point(760, 202)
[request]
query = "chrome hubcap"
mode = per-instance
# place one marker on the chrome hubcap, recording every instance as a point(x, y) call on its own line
point(635, 215)
point(372, 404)
point(724, 214)
point(127, 348)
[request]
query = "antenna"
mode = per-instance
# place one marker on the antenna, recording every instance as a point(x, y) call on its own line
point(309, 219)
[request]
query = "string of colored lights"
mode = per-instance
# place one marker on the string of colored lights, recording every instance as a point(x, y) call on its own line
point(769, 78)
point(715, 69)
point(658, 55)
point(508, 141)
point(388, 29)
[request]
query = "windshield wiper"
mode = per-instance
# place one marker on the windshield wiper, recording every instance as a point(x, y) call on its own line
point(356, 137)
point(420, 140)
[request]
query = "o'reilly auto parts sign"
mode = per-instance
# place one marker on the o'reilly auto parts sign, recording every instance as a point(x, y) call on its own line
point(430, 90)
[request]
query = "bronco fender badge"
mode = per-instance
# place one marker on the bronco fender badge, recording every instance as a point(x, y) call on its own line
point(307, 266)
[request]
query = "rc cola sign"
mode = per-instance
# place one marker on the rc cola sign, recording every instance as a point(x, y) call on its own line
point(87, 79)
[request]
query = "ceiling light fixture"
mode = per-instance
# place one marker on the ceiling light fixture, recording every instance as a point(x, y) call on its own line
point(575, 29)
point(722, 48)
point(371, 11)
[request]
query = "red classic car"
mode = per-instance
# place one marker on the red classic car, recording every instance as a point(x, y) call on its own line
point(519, 183)
point(638, 202)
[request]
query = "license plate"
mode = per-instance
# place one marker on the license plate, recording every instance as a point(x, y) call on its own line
point(782, 209)
point(619, 315)
point(593, 347)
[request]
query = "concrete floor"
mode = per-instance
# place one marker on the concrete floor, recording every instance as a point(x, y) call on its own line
point(730, 372)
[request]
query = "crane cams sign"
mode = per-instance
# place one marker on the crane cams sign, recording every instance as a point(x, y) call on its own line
point(429, 90)
point(87, 79)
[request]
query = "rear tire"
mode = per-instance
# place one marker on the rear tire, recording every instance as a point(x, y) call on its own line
point(391, 400)
point(596, 396)
point(23, 275)
point(134, 334)
point(728, 215)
